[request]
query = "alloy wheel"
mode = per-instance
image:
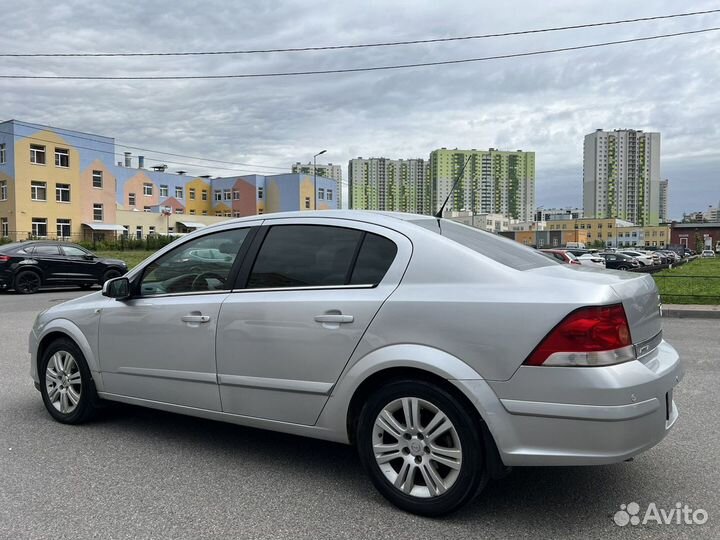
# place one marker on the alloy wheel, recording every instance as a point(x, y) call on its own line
point(417, 447)
point(63, 382)
point(27, 282)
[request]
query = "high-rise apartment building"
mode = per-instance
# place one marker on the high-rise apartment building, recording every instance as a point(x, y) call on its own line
point(327, 170)
point(389, 184)
point(493, 182)
point(664, 216)
point(621, 175)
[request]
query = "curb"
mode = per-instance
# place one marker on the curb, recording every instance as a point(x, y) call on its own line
point(691, 312)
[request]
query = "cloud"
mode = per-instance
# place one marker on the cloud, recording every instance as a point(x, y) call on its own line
point(542, 103)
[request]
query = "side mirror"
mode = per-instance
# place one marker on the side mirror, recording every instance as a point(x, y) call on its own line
point(118, 288)
point(88, 257)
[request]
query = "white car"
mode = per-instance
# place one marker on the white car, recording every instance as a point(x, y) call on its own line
point(592, 259)
point(707, 253)
point(644, 258)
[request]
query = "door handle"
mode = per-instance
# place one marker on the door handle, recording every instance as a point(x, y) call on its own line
point(338, 319)
point(196, 318)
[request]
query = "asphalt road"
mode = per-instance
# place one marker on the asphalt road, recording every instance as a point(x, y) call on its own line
point(138, 473)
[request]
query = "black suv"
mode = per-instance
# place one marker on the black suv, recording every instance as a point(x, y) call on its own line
point(27, 266)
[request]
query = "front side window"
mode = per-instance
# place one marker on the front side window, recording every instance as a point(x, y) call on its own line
point(73, 251)
point(62, 157)
point(202, 264)
point(62, 192)
point(97, 179)
point(97, 212)
point(305, 256)
point(38, 191)
point(37, 154)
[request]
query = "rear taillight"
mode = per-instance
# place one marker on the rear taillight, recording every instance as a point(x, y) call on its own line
point(589, 336)
point(574, 261)
point(4, 258)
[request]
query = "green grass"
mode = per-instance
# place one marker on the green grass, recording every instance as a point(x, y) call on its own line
point(697, 282)
point(131, 257)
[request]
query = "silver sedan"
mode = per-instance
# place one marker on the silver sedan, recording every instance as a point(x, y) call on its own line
point(445, 354)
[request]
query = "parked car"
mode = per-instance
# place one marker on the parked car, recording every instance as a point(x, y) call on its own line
point(643, 258)
point(592, 259)
point(671, 255)
point(561, 255)
point(620, 261)
point(28, 266)
point(707, 253)
point(443, 353)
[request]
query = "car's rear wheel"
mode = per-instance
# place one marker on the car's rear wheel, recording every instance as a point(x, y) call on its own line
point(66, 386)
point(27, 282)
point(110, 274)
point(421, 448)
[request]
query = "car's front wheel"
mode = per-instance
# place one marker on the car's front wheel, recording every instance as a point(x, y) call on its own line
point(66, 386)
point(110, 274)
point(421, 448)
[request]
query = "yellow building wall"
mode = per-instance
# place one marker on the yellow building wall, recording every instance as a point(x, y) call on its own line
point(7, 208)
point(198, 205)
point(271, 201)
point(26, 172)
point(307, 190)
point(132, 219)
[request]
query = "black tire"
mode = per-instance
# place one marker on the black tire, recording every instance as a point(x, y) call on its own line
point(27, 282)
point(110, 274)
point(87, 403)
point(469, 480)
point(623, 267)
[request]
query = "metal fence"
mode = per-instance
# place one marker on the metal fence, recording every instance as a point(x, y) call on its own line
point(97, 240)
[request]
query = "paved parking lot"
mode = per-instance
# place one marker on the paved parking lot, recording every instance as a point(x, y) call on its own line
point(137, 473)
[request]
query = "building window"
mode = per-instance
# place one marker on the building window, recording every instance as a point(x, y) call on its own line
point(147, 190)
point(260, 211)
point(307, 202)
point(192, 212)
point(321, 194)
point(62, 157)
point(3, 190)
point(218, 195)
point(151, 230)
point(236, 195)
point(227, 214)
point(131, 199)
point(2, 153)
point(126, 232)
point(236, 214)
point(146, 209)
point(62, 192)
point(227, 194)
point(63, 228)
point(38, 191)
point(204, 213)
point(4, 227)
point(138, 232)
point(204, 194)
point(163, 190)
point(260, 192)
point(39, 227)
point(329, 194)
point(178, 192)
point(97, 179)
point(179, 211)
point(37, 154)
point(191, 194)
point(97, 212)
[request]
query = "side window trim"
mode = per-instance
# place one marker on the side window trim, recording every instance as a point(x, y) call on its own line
point(354, 259)
point(232, 275)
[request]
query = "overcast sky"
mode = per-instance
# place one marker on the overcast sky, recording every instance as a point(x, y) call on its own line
point(543, 103)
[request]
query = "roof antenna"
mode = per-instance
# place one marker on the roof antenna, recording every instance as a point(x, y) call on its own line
point(439, 213)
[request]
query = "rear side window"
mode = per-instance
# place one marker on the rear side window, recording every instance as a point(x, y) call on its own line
point(304, 256)
point(376, 255)
point(497, 248)
point(46, 250)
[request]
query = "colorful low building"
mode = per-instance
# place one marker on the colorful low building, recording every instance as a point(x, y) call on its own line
point(59, 183)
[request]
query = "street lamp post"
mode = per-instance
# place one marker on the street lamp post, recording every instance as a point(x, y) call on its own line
point(315, 178)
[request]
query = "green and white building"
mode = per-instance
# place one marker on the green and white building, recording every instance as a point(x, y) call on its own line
point(399, 185)
point(493, 182)
point(621, 176)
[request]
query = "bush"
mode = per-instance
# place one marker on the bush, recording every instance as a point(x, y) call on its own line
point(149, 243)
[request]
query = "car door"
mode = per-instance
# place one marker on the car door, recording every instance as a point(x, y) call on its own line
point(81, 265)
point(301, 307)
point(49, 260)
point(160, 343)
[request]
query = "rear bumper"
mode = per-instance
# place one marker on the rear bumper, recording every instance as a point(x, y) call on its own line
point(584, 416)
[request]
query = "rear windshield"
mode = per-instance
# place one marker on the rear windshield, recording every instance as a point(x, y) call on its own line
point(497, 248)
